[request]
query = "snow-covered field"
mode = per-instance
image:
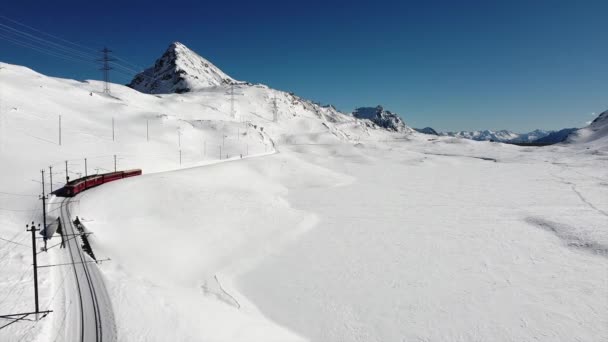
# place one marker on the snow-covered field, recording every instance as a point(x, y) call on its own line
point(326, 230)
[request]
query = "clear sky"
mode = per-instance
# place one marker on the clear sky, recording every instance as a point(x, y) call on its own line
point(451, 65)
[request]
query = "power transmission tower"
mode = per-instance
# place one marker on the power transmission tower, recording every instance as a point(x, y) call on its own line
point(106, 59)
point(232, 93)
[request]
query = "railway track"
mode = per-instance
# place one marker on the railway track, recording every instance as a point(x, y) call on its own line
point(94, 321)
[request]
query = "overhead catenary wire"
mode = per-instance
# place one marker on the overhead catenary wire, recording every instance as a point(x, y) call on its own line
point(15, 194)
point(17, 243)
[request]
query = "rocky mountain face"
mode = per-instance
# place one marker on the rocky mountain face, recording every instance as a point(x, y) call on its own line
point(179, 70)
point(382, 118)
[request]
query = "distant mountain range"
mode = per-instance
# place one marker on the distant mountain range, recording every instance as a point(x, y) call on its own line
point(536, 136)
point(426, 130)
point(555, 137)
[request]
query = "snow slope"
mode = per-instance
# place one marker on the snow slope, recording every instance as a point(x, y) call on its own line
point(329, 228)
point(153, 132)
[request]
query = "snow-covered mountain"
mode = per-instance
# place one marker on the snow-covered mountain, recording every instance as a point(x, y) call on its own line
point(381, 117)
point(531, 136)
point(595, 132)
point(555, 137)
point(426, 130)
point(179, 70)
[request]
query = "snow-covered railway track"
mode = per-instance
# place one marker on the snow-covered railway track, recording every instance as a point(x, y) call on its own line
point(94, 321)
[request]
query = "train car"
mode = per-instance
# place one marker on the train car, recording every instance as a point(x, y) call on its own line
point(77, 186)
point(132, 173)
point(112, 176)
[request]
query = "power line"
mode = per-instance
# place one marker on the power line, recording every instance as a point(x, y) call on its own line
point(38, 43)
point(55, 49)
point(47, 34)
point(128, 65)
point(44, 50)
point(27, 35)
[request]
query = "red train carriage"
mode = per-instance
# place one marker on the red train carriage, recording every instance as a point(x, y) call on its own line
point(79, 185)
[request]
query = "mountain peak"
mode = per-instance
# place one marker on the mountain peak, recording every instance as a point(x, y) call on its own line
point(179, 70)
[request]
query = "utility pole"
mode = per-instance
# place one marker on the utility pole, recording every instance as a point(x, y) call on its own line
point(106, 59)
point(16, 317)
point(51, 175)
point(43, 198)
point(67, 178)
point(33, 229)
point(147, 130)
point(220, 152)
point(114, 163)
point(179, 137)
point(232, 101)
point(180, 157)
point(85, 169)
point(59, 130)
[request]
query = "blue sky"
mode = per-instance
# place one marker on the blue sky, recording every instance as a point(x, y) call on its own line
point(451, 65)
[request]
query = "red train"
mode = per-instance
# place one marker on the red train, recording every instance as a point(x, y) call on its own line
point(79, 185)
